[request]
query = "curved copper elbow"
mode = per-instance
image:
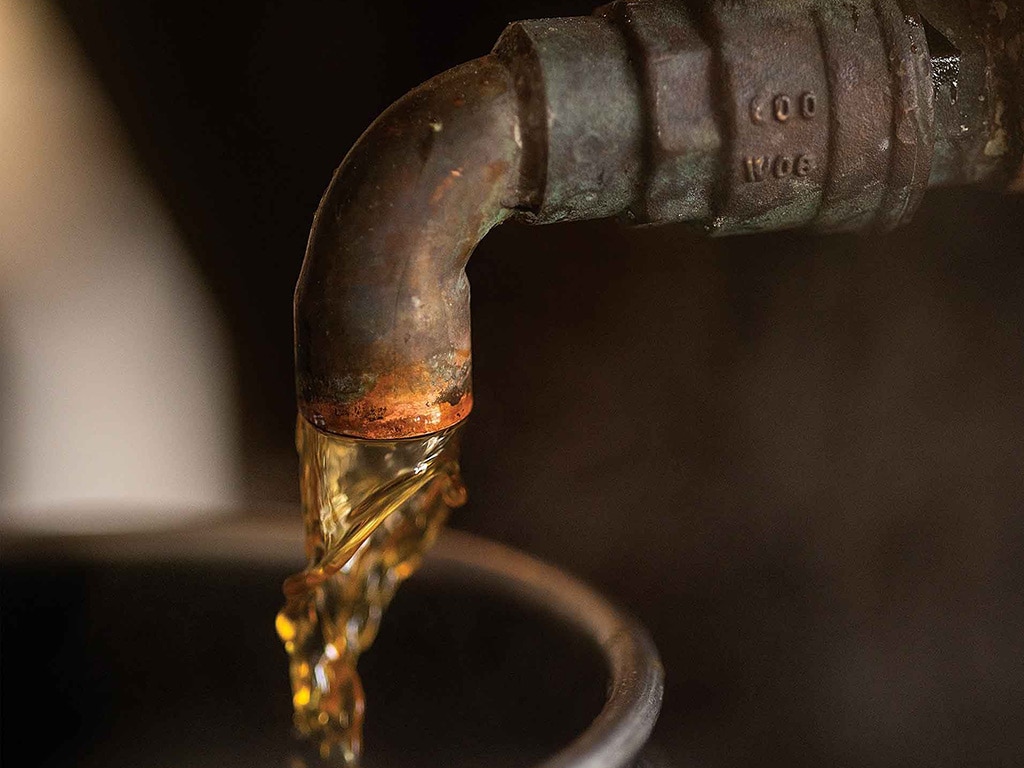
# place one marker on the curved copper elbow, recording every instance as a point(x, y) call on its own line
point(547, 126)
point(646, 109)
point(382, 323)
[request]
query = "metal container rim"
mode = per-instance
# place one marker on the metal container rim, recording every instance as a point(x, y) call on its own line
point(635, 675)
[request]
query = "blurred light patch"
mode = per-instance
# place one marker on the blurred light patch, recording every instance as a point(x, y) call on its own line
point(116, 394)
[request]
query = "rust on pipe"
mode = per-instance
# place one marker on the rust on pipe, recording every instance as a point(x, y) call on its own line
point(737, 115)
point(382, 323)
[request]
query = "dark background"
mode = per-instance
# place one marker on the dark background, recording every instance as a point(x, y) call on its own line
point(798, 459)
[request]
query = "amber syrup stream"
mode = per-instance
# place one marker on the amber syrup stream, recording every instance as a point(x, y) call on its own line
point(371, 509)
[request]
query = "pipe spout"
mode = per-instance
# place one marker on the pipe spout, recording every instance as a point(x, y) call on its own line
point(546, 128)
point(382, 325)
point(741, 117)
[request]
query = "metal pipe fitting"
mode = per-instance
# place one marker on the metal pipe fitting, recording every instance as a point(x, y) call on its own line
point(382, 303)
point(738, 115)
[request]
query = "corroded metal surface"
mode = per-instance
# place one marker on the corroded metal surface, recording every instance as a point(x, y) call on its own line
point(382, 304)
point(976, 48)
point(582, 116)
point(767, 115)
point(738, 115)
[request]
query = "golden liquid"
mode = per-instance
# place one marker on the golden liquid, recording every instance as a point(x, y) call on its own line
point(371, 508)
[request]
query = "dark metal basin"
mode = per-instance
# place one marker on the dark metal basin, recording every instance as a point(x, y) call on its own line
point(158, 649)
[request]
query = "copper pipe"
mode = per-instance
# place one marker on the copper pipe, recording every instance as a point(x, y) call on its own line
point(743, 116)
point(382, 321)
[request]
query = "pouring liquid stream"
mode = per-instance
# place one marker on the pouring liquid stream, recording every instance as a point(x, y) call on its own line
point(371, 509)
